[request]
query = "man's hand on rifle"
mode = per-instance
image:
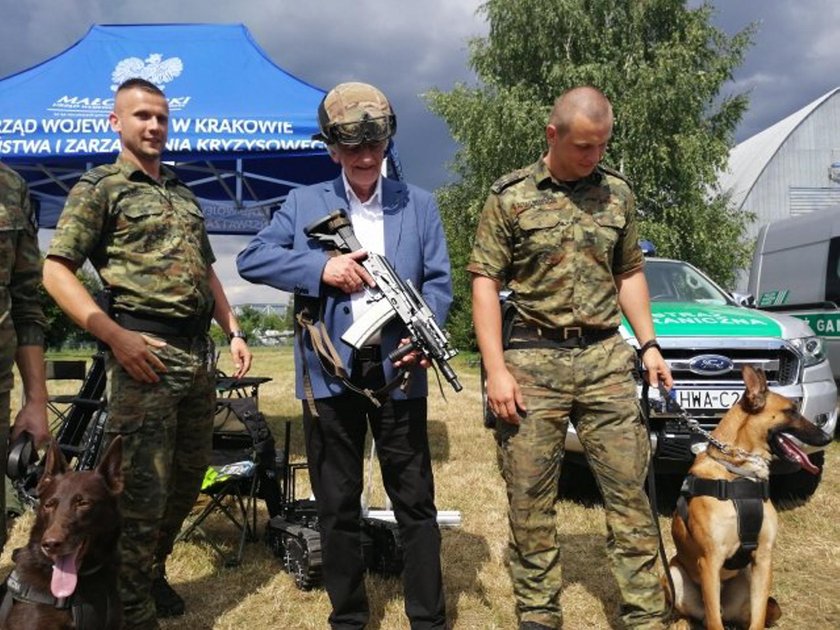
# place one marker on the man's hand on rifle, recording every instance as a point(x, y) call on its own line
point(414, 357)
point(344, 272)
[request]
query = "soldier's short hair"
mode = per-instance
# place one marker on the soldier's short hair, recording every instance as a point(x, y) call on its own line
point(140, 84)
point(586, 100)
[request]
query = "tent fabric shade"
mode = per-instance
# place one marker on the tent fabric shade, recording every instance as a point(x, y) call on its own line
point(240, 132)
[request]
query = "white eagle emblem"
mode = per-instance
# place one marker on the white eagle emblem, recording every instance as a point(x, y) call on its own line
point(155, 69)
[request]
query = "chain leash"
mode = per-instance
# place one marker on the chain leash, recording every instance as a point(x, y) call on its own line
point(693, 425)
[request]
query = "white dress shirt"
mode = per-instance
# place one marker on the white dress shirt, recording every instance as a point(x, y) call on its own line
point(369, 225)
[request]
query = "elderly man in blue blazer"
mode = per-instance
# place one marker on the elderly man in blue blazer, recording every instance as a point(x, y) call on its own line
point(402, 223)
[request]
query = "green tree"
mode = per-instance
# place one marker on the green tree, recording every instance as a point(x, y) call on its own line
point(661, 64)
point(252, 321)
point(249, 321)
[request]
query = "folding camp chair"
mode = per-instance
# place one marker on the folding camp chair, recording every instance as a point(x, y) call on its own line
point(242, 470)
point(82, 425)
point(76, 420)
point(59, 371)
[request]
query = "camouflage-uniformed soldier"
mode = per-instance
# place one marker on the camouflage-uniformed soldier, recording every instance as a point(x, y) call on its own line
point(22, 321)
point(143, 230)
point(561, 234)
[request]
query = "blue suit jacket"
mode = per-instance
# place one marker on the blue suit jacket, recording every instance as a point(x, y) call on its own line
point(283, 257)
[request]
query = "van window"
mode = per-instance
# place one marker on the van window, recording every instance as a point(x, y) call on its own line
point(832, 273)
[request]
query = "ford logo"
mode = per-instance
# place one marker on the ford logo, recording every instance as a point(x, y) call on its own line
point(710, 364)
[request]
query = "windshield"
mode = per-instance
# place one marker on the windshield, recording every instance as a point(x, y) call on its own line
point(674, 281)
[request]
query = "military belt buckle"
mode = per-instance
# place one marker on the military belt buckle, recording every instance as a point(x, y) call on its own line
point(572, 332)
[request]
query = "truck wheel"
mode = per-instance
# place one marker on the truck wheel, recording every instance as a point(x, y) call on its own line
point(799, 486)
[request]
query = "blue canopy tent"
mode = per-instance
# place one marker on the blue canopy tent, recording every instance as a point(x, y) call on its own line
point(240, 127)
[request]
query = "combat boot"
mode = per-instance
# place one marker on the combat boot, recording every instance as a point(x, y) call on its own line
point(167, 602)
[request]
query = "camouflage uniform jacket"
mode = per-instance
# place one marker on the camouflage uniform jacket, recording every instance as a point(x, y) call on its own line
point(147, 240)
point(559, 246)
point(22, 320)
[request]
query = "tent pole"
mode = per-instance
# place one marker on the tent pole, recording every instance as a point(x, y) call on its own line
point(239, 182)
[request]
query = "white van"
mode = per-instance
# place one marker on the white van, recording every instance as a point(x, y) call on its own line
point(796, 270)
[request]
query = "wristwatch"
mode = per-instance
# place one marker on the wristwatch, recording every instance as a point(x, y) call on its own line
point(238, 334)
point(651, 343)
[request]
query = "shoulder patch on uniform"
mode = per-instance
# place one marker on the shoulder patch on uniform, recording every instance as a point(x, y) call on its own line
point(611, 171)
point(95, 175)
point(507, 180)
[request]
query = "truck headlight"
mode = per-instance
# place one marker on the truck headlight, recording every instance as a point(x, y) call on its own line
point(811, 349)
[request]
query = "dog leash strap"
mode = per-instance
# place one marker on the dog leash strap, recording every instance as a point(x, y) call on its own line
point(654, 506)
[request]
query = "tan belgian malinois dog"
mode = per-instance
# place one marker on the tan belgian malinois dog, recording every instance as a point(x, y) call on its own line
point(725, 526)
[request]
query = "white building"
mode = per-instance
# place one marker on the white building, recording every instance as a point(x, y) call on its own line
point(790, 168)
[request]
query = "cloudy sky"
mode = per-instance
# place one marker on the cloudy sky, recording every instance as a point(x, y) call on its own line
point(406, 47)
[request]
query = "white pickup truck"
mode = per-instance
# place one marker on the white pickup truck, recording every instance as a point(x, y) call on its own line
point(706, 337)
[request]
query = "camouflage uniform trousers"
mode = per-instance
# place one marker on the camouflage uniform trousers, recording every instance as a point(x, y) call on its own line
point(167, 431)
point(594, 387)
point(5, 419)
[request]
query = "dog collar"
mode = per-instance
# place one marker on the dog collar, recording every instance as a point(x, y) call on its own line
point(23, 592)
point(759, 471)
point(85, 615)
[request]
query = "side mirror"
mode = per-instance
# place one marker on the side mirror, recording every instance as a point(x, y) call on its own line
point(744, 299)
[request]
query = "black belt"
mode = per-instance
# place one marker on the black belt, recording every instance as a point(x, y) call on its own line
point(368, 353)
point(164, 326)
point(525, 336)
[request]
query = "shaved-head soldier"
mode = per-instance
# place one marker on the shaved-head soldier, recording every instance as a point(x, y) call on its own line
point(561, 235)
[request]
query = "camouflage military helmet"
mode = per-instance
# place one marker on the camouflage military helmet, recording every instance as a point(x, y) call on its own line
point(355, 113)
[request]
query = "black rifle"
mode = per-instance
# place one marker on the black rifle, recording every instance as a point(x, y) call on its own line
point(391, 297)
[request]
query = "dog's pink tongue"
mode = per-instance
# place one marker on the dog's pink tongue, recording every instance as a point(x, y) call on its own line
point(796, 454)
point(64, 576)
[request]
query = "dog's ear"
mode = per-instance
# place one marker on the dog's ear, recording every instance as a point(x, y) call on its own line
point(755, 395)
point(111, 466)
point(54, 466)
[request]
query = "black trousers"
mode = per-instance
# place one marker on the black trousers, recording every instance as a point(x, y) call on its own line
point(335, 450)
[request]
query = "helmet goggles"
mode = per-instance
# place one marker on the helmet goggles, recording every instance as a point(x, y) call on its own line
point(368, 130)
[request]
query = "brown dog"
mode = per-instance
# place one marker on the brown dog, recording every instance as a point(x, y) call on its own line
point(66, 576)
point(725, 529)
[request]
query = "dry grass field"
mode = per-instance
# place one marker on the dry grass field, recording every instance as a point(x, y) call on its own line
point(259, 595)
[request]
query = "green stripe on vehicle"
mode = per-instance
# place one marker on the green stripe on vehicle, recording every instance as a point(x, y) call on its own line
point(684, 319)
point(824, 324)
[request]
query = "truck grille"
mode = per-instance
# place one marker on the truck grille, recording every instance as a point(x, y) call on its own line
point(779, 362)
point(781, 365)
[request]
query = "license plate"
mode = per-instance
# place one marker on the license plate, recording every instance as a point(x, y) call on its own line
point(708, 398)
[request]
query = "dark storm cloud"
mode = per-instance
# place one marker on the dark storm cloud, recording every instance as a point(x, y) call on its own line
point(793, 60)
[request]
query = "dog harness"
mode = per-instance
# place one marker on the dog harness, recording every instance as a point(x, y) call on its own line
point(747, 495)
point(86, 614)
